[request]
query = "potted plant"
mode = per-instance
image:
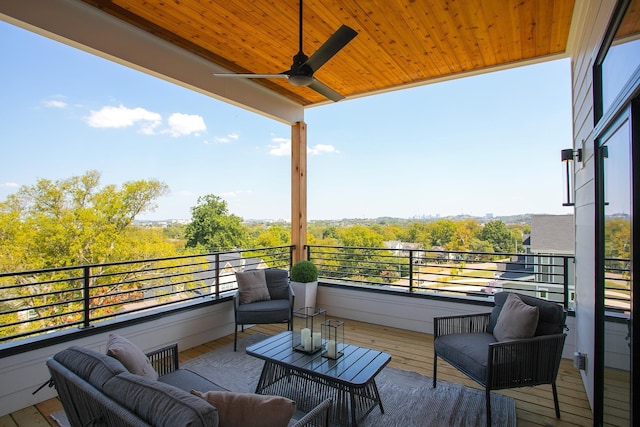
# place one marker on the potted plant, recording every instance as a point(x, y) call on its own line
point(304, 281)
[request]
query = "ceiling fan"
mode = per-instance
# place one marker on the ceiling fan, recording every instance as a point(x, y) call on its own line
point(303, 67)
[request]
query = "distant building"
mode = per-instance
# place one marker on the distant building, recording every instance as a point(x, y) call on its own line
point(404, 248)
point(540, 270)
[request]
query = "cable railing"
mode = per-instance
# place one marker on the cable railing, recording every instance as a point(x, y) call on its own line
point(35, 303)
point(452, 273)
point(38, 302)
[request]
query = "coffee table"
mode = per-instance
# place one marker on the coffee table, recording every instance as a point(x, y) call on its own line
point(348, 381)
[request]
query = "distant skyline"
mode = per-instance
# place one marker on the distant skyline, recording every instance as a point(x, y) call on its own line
point(488, 144)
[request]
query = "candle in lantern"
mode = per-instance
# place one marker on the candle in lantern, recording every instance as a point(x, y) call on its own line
point(331, 349)
point(317, 340)
point(304, 333)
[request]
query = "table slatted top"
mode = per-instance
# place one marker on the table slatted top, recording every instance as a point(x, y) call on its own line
point(356, 367)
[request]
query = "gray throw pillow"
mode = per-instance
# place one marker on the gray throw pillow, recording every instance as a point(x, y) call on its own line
point(252, 286)
point(277, 283)
point(130, 356)
point(517, 320)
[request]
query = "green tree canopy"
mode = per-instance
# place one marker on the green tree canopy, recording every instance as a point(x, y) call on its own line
point(72, 221)
point(273, 236)
point(498, 234)
point(213, 228)
point(360, 236)
point(441, 232)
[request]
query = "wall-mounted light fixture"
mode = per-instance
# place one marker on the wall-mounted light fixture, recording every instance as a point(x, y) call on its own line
point(570, 155)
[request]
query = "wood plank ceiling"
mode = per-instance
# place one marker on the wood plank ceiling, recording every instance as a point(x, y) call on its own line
point(399, 43)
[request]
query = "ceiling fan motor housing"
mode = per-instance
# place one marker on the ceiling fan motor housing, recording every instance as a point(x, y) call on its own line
point(300, 73)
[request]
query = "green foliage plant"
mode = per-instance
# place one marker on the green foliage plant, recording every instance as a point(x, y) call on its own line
point(213, 228)
point(304, 272)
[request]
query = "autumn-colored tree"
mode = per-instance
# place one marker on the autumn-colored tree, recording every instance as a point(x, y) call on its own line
point(74, 222)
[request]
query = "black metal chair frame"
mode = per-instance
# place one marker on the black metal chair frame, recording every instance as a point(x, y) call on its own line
point(511, 364)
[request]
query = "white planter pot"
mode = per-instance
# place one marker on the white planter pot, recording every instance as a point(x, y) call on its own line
point(305, 294)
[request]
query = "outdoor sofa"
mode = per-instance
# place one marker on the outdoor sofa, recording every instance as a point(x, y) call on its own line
point(98, 390)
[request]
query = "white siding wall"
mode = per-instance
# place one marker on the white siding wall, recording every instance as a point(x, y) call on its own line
point(595, 18)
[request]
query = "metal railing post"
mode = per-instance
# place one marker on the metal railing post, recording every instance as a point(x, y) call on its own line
point(291, 249)
point(217, 263)
point(566, 282)
point(86, 300)
point(410, 270)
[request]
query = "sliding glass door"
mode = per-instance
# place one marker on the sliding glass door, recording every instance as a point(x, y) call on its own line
point(617, 179)
point(614, 296)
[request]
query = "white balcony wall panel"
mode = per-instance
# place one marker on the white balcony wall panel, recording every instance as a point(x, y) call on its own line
point(22, 374)
point(596, 18)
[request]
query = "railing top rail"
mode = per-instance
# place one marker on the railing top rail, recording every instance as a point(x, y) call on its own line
point(109, 264)
point(459, 252)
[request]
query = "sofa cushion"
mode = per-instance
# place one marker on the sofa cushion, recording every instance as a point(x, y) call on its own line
point(131, 356)
point(277, 283)
point(551, 318)
point(468, 352)
point(272, 311)
point(188, 380)
point(158, 403)
point(93, 367)
point(517, 320)
point(249, 409)
point(252, 286)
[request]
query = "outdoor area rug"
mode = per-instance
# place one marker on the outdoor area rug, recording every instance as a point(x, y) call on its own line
point(407, 397)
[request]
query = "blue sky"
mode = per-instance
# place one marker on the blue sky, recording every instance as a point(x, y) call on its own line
point(477, 145)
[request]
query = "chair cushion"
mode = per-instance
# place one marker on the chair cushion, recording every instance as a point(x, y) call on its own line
point(517, 320)
point(93, 367)
point(160, 404)
point(249, 409)
point(188, 380)
point(131, 356)
point(252, 286)
point(467, 352)
point(277, 283)
point(551, 317)
point(272, 311)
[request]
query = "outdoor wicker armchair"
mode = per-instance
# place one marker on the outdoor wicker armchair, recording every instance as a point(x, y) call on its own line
point(467, 342)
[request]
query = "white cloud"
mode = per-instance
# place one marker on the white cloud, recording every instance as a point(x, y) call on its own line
point(321, 148)
point(121, 117)
point(186, 124)
point(226, 139)
point(9, 185)
point(282, 147)
point(233, 194)
point(54, 103)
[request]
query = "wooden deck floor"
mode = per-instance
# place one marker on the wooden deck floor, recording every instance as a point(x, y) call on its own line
point(410, 351)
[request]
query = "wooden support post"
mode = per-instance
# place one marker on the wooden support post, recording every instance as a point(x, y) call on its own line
point(299, 189)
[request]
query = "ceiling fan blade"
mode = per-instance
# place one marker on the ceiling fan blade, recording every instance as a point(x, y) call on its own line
point(337, 41)
point(325, 90)
point(253, 76)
